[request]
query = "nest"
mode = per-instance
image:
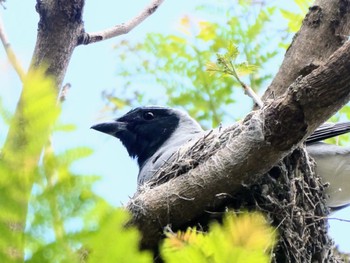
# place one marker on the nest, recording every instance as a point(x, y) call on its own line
point(291, 195)
point(293, 198)
point(193, 154)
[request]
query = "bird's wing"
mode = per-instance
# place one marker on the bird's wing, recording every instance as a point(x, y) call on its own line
point(166, 154)
point(328, 130)
point(333, 165)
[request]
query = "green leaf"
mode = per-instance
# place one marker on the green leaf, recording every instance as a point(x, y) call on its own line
point(207, 31)
point(241, 238)
point(232, 51)
point(112, 242)
point(64, 127)
point(29, 132)
point(244, 68)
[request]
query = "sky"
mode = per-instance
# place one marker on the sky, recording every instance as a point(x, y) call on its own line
point(92, 69)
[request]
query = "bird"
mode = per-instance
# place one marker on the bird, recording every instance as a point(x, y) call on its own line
point(152, 134)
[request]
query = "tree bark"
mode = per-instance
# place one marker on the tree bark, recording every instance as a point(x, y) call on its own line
point(59, 30)
point(325, 28)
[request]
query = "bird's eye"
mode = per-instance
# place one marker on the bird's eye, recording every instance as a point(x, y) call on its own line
point(148, 116)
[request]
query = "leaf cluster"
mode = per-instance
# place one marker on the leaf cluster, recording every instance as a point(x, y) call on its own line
point(171, 69)
point(240, 238)
point(49, 213)
point(226, 65)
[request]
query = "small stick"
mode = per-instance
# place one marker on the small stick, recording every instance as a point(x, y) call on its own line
point(10, 54)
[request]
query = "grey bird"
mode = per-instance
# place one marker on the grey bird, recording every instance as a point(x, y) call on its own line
point(153, 134)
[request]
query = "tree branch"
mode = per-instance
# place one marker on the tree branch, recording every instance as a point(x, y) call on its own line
point(10, 54)
point(88, 38)
point(270, 132)
point(325, 28)
point(59, 28)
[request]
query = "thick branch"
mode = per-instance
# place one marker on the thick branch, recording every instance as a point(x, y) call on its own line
point(59, 28)
point(270, 132)
point(88, 38)
point(325, 28)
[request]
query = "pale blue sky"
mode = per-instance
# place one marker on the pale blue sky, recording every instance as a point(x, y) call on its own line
point(92, 70)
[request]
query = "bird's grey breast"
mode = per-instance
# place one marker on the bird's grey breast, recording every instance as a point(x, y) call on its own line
point(166, 154)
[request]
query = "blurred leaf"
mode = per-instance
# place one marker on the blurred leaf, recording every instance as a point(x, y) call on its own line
point(29, 131)
point(112, 242)
point(244, 68)
point(207, 31)
point(244, 238)
point(232, 51)
point(5, 114)
point(118, 103)
point(64, 127)
point(184, 25)
point(295, 18)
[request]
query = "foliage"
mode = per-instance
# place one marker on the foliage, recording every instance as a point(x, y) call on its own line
point(226, 64)
point(18, 163)
point(295, 18)
point(244, 238)
point(112, 242)
point(172, 67)
point(65, 220)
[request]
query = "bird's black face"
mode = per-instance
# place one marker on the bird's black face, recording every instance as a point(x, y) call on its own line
point(142, 130)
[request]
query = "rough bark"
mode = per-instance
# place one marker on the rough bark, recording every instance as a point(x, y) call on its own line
point(59, 30)
point(325, 28)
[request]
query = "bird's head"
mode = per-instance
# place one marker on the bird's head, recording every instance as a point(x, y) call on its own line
point(144, 130)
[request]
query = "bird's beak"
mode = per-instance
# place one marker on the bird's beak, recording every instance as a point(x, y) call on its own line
point(110, 127)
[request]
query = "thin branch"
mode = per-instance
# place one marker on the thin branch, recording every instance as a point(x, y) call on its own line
point(88, 38)
point(10, 54)
point(250, 92)
point(339, 219)
point(2, 3)
point(63, 92)
point(225, 64)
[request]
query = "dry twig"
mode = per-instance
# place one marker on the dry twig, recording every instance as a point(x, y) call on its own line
point(123, 28)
